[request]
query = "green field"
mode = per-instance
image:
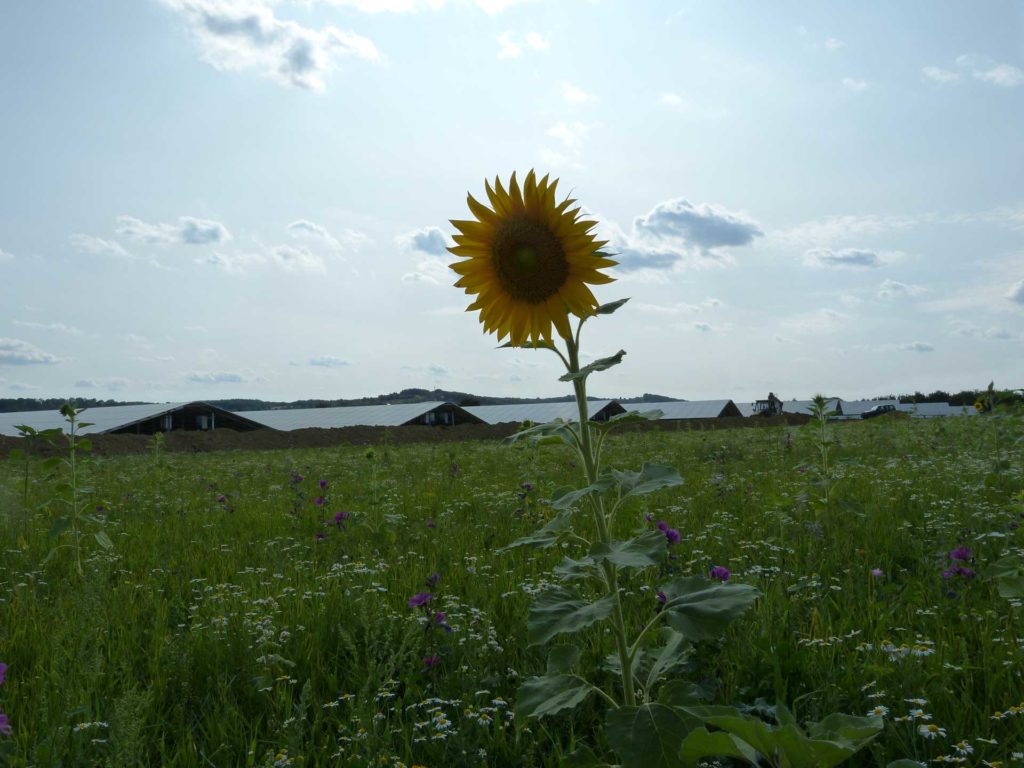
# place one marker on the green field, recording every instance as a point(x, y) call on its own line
point(236, 622)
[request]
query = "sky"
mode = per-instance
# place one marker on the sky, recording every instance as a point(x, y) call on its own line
point(206, 199)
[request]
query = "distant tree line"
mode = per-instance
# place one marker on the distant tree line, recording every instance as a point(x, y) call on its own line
point(16, 404)
point(964, 397)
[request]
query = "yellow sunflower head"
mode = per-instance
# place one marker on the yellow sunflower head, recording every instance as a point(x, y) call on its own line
point(528, 260)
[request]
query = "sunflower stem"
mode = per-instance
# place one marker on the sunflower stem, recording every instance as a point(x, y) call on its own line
point(591, 463)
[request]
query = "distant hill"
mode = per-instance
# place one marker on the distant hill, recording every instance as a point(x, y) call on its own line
point(14, 404)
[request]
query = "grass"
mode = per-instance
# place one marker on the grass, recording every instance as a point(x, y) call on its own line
point(222, 630)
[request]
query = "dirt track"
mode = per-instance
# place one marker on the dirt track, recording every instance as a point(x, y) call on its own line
point(265, 439)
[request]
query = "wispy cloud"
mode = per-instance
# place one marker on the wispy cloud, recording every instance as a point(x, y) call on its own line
point(98, 246)
point(571, 137)
point(1016, 292)
point(244, 35)
point(575, 95)
point(215, 377)
point(314, 233)
point(855, 258)
point(855, 85)
point(5, 256)
point(57, 327)
point(112, 383)
point(427, 239)
point(512, 47)
point(329, 361)
point(20, 352)
point(890, 290)
point(940, 76)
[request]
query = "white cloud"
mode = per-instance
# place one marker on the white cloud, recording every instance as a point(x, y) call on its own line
point(970, 330)
point(1016, 293)
point(490, 7)
point(852, 84)
point(427, 239)
point(20, 352)
point(820, 321)
point(1003, 75)
point(940, 76)
point(670, 100)
point(855, 258)
point(97, 246)
point(239, 35)
point(571, 136)
point(573, 94)
point(703, 327)
point(982, 68)
point(297, 259)
point(5, 256)
point(890, 290)
point(188, 231)
point(510, 48)
point(834, 44)
point(215, 377)
point(234, 262)
point(329, 361)
point(348, 240)
point(58, 327)
point(705, 226)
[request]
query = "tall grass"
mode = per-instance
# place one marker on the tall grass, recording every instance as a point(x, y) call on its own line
point(235, 622)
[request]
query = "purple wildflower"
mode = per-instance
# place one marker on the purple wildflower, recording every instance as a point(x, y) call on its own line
point(673, 536)
point(719, 572)
point(319, 501)
point(320, 535)
point(431, 524)
point(323, 484)
point(440, 620)
point(341, 517)
point(432, 579)
point(222, 499)
point(3, 672)
point(5, 725)
point(662, 526)
point(662, 597)
point(430, 662)
point(877, 573)
point(648, 518)
point(419, 600)
point(961, 553)
point(958, 570)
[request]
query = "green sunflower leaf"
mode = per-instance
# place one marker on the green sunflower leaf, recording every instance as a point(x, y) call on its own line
point(559, 611)
point(610, 307)
point(645, 550)
point(650, 735)
point(540, 696)
point(701, 609)
point(546, 536)
point(603, 364)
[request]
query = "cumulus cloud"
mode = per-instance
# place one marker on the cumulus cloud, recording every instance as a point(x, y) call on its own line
point(20, 352)
point(219, 377)
point(1016, 292)
point(855, 85)
point(329, 361)
point(855, 258)
point(428, 240)
point(704, 226)
point(511, 47)
point(97, 246)
point(978, 67)
point(490, 7)
point(970, 330)
point(892, 289)
point(231, 262)
point(188, 231)
point(310, 231)
point(246, 35)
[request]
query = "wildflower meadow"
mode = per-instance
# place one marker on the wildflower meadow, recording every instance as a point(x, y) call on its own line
point(363, 607)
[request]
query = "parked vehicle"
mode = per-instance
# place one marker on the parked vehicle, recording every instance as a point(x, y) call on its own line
point(878, 410)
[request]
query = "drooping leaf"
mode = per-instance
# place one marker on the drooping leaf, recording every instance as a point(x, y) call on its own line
point(701, 609)
point(538, 344)
point(546, 536)
point(562, 658)
point(650, 735)
point(601, 364)
point(540, 696)
point(557, 611)
point(574, 570)
point(566, 498)
point(681, 693)
point(755, 732)
point(650, 478)
point(665, 657)
point(103, 540)
point(610, 307)
point(559, 428)
point(645, 550)
point(701, 743)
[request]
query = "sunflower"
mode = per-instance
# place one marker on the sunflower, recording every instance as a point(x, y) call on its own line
point(528, 261)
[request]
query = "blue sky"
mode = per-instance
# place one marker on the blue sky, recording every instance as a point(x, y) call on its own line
point(227, 198)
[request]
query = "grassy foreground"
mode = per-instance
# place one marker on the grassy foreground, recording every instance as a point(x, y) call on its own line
point(250, 614)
